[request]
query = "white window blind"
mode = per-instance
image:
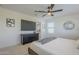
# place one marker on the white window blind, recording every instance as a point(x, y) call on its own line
point(50, 27)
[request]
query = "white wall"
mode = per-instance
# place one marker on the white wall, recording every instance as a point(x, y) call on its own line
point(59, 29)
point(11, 36)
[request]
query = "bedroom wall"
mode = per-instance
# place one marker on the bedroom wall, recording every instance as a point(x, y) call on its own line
point(59, 29)
point(11, 35)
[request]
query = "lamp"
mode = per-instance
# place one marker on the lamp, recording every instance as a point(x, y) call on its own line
point(49, 14)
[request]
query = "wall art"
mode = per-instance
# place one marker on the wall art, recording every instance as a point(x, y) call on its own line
point(69, 25)
point(10, 22)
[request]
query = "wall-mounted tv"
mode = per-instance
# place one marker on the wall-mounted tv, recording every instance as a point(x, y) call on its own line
point(28, 25)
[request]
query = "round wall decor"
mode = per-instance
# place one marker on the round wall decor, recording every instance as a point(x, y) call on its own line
point(69, 25)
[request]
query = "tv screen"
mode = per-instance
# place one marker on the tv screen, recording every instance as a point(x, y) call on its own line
point(28, 25)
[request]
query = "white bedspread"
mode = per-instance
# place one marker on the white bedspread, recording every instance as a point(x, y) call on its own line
point(59, 46)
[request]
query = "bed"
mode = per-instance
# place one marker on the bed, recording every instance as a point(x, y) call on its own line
point(55, 46)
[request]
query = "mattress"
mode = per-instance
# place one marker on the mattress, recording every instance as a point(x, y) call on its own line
point(58, 46)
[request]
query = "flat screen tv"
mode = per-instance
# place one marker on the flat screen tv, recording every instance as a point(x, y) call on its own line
point(28, 25)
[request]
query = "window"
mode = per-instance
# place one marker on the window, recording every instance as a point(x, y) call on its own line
point(50, 27)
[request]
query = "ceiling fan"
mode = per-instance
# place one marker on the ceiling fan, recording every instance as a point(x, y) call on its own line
point(49, 10)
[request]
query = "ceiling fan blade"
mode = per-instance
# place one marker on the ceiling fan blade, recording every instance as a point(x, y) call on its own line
point(58, 10)
point(44, 15)
point(42, 11)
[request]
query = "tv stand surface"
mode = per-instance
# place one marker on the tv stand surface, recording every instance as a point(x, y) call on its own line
point(28, 38)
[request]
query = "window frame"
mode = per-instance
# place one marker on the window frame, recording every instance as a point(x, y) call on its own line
point(50, 27)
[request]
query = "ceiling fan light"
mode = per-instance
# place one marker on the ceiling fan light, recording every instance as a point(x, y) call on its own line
point(49, 14)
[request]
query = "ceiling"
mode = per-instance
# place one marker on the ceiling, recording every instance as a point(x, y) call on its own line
point(30, 8)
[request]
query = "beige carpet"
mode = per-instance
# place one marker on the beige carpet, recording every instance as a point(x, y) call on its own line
point(15, 50)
